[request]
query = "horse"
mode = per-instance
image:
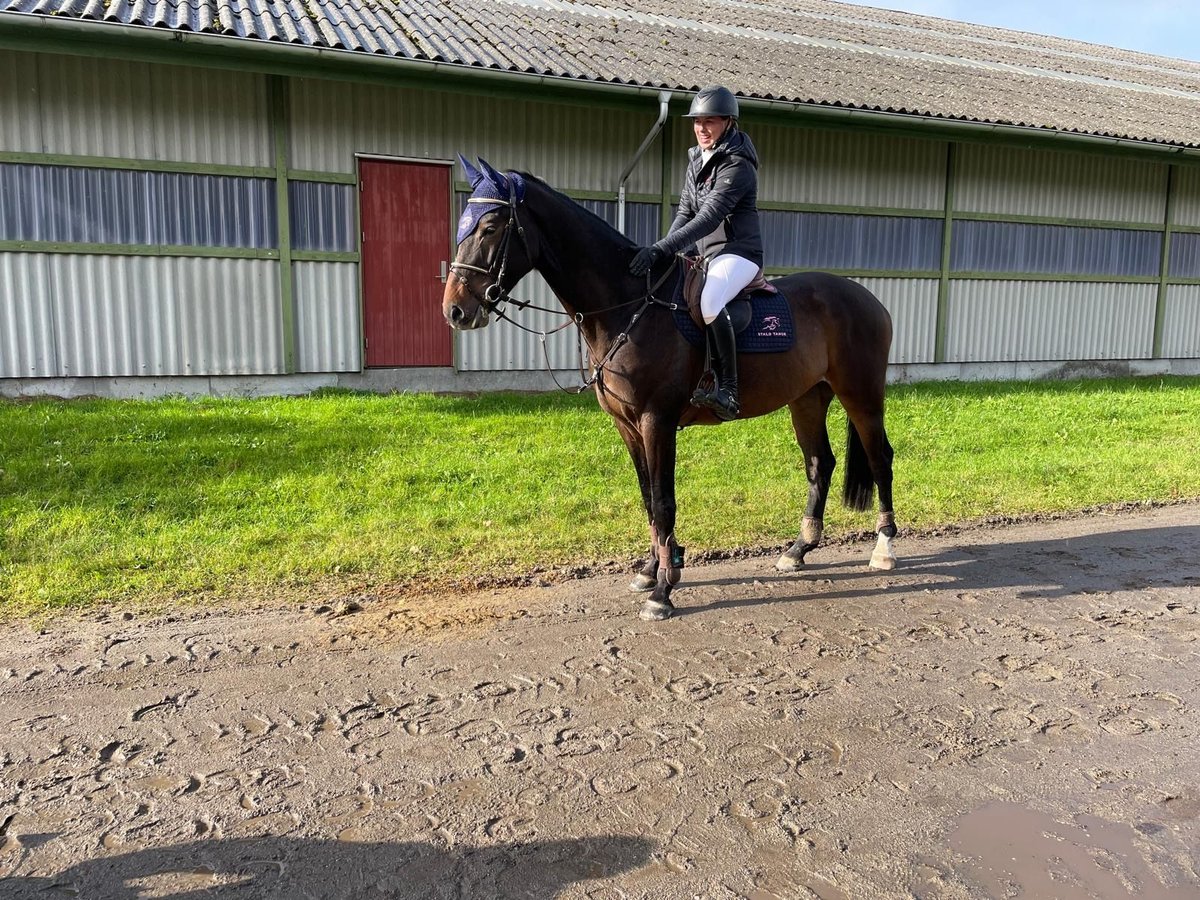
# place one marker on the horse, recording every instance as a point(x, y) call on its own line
point(644, 370)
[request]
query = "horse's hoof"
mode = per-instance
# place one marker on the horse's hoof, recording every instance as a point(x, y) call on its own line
point(642, 583)
point(789, 564)
point(654, 611)
point(883, 563)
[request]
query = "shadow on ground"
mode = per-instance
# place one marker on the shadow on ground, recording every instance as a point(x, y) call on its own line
point(1133, 559)
point(296, 869)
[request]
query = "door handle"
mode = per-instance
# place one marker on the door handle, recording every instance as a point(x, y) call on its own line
point(445, 272)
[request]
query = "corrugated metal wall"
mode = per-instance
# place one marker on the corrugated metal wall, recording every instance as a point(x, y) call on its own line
point(21, 123)
point(582, 148)
point(328, 317)
point(1181, 328)
point(501, 346)
point(27, 348)
point(801, 165)
point(115, 108)
point(990, 321)
point(70, 315)
point(1186, 189)
point(997, 179)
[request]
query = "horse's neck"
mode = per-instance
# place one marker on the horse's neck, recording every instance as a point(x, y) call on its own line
point(586, 277)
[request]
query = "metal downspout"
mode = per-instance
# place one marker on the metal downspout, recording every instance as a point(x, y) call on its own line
point(664, 99)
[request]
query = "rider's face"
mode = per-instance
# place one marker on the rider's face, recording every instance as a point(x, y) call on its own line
point(709, 130)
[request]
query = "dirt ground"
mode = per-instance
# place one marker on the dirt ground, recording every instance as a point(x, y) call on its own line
point(1011, 713)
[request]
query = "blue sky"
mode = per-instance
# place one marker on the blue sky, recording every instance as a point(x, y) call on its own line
point(1165, 27)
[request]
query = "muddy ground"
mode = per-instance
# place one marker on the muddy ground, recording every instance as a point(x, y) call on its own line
point(1012, 713)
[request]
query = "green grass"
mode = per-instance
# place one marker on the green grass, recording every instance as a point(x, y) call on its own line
point(105, 500)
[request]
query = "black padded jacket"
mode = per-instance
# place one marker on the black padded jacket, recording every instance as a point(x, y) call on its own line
point(717, 206)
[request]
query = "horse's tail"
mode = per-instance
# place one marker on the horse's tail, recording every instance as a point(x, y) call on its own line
point(859, 489)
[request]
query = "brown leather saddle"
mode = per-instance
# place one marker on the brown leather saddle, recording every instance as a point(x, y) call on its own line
point(740, 311)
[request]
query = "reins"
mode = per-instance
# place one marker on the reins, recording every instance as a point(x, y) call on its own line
point(494, 296)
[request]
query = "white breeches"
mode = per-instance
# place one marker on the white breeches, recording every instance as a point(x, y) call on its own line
point(727, 274)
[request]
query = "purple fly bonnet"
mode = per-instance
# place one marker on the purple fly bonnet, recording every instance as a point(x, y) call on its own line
point(489, 190)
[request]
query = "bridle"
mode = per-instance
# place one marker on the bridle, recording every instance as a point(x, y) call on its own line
point(494, 296)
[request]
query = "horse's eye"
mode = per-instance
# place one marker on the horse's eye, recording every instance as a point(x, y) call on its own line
point(491, 229)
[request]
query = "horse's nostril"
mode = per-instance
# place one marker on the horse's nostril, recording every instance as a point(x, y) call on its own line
point(456, 314)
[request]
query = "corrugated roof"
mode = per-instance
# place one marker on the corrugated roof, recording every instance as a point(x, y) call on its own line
point(805, 51)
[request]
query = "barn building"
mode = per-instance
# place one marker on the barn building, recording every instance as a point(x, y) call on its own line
point(258, 196)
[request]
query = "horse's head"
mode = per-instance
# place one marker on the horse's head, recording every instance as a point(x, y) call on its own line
point(493, 252)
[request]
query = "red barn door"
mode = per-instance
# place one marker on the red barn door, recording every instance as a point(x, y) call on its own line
point(405, 213)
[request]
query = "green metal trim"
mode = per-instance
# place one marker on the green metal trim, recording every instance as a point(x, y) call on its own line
point(1056, 220)
point(1056, 276)
point(836, 209)
point(141, 165)
point(322, 177)
point(277, 91)
point(1183, 282)
point(86, 249)
point(942, 314)
point(1185, 229)
point(325, 256)
point(775, 271)
point(1164, 270)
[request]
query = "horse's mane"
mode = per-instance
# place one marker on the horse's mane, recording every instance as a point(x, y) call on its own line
point(599, 230)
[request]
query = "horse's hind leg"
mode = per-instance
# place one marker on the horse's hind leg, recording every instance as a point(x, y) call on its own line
point(647, 574)
point(808, 421)
point(869, 460)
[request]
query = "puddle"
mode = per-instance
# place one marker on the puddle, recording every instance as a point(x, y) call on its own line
point(1014, 852)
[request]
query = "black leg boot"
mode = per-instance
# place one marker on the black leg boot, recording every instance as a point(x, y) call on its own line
point(723, 399)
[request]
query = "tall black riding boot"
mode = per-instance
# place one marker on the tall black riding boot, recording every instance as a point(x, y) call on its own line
point(722, 342)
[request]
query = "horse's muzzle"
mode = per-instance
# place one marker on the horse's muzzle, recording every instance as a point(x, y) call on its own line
point(457, 317)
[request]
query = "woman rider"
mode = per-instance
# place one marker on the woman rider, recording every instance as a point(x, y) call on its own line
point(717, 213)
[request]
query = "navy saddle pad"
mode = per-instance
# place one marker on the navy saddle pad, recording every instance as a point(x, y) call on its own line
point(768, 323)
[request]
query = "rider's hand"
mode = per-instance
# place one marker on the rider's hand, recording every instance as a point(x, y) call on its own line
point(645, 260)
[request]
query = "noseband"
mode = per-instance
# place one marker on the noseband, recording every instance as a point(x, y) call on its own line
point(494, 294)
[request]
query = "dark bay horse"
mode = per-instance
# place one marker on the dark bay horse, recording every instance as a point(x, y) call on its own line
point(645, 371)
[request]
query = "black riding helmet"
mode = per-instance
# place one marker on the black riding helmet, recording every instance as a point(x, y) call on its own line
point(714, 100)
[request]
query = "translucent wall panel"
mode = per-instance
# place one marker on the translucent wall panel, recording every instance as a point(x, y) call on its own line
point(1053, 249)
point(833, 241)
point(117, 206)
point(1185, 255)
point(323, 216)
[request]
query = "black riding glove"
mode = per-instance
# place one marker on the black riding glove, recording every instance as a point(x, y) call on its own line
point(645, 260)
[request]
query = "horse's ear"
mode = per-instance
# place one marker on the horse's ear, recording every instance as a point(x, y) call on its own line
point(494, 177)
point(473, 174)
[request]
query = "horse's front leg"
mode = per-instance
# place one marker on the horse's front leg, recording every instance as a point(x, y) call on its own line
point(658, 438)
point(647, 573)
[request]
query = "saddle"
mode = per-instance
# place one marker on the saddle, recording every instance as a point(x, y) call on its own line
point(740, 310)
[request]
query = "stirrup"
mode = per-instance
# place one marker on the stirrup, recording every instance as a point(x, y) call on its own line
point(720, 402)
